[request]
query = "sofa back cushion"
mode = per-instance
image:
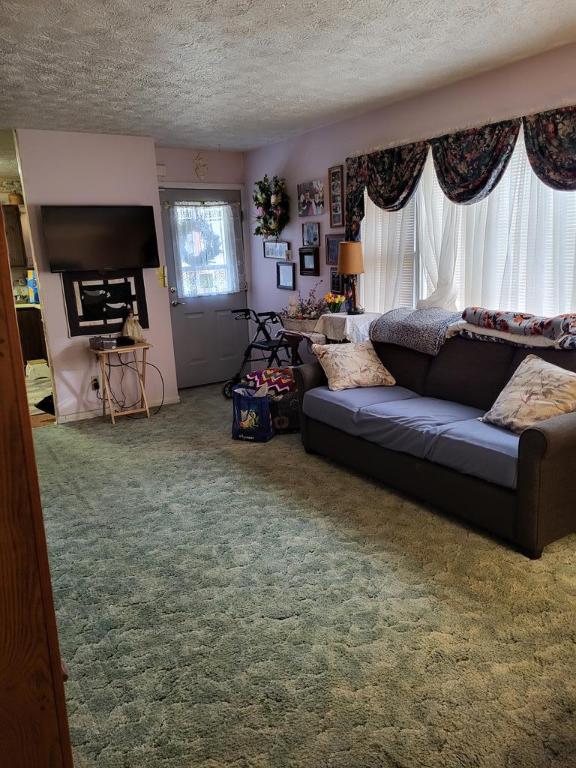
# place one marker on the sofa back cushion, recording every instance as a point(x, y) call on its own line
point(465, 371)
point(409, 368)
point(562, 357)
point(470, 372)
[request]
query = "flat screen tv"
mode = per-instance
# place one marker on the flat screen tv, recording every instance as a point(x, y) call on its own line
point(81, 238)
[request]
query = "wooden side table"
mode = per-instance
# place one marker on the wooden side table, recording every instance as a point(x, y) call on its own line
point(139, 368)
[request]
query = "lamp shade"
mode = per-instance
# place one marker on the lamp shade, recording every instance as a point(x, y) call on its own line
point(350, 259)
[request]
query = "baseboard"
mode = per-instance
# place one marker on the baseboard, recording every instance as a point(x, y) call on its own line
point(93, 414)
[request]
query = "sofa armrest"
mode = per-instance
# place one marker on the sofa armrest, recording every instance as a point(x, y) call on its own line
point(308, 376)
point(547, 482)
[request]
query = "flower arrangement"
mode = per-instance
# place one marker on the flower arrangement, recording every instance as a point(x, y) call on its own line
point(334, 301)
point(309, 307)
point(272, 206)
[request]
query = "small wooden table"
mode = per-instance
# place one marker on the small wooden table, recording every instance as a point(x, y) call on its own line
point(103, 356)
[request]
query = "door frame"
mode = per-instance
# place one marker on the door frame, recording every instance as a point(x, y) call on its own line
point(32, 212)
point(32, 700)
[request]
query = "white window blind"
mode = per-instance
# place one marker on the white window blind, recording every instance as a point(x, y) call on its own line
point(389, 257)
point(514, 250)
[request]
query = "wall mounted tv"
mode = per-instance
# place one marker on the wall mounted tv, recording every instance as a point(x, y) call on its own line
point(82, 238)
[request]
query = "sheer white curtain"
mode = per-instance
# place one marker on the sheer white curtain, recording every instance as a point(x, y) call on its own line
point(388, 240)
point(208, 248)
point(438, 224)
point(514, 250)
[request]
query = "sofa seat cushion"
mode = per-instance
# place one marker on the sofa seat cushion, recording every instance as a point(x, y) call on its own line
point(340, 408)
point(478, 449)
point(410, 425)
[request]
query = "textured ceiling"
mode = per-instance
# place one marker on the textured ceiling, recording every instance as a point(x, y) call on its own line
point(8, 160)
point(241, 73)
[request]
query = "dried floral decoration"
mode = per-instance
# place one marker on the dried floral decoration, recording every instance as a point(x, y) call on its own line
point(307, 308)
point(272, 206)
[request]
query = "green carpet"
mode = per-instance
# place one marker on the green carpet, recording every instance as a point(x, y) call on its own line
point(229, 605)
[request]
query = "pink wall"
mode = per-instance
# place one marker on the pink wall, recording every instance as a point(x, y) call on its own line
point(532, 85)
point(82, 168)
point(220, 167)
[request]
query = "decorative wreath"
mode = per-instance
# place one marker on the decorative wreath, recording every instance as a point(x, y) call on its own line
point(272, 206)
point(211, 244)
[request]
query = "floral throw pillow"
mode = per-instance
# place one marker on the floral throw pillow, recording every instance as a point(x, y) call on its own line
point(352, 365)
point(537, 390)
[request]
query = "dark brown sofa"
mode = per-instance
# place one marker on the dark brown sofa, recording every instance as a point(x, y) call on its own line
point(540, 508)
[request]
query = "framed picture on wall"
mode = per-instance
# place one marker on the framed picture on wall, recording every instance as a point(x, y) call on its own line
point(286, 276)
point(310, 261)
point(311, 198)
point(276, 249)
point(336, 195)
point(332, 242)
point(311, 233)
point(336, 281)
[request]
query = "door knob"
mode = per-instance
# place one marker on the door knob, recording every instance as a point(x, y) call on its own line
point(175, 303)
point(172, 289)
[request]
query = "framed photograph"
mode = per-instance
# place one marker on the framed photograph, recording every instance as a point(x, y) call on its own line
point(310, 261)
point(336, 281)
point(336, 195)
point(286, 276)
point(311, 233)
point(332, 242)
point(311, 198)
point(276, 249)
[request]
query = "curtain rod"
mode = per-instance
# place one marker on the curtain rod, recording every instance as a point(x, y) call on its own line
point(198, 204)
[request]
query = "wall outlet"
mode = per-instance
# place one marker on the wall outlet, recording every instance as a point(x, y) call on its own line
point(95, 383)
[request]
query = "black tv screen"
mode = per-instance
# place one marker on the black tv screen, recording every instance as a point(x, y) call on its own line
point(82, 238)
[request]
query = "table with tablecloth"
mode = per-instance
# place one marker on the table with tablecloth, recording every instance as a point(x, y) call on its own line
point(338, 326)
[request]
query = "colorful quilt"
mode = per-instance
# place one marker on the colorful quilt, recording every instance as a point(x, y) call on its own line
point(522, 323)
point(279, 380)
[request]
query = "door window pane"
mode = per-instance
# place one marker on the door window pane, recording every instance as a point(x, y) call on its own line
point(207, 249)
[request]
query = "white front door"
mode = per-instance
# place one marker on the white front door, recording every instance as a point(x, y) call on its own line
point(204, 259)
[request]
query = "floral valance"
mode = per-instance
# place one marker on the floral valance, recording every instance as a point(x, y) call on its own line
point(390, 176)
point(469, 164)
point(551, 146)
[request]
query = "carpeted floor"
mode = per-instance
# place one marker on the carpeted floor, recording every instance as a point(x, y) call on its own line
point(229, 605)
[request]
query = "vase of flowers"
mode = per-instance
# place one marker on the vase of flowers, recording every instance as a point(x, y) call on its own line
point(334, 301)
point(302, 313)
point(272, 206)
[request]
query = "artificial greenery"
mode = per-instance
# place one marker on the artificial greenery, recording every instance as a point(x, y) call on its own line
point(272, 206)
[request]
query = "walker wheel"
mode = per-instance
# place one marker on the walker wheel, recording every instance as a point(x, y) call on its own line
point(227, 389)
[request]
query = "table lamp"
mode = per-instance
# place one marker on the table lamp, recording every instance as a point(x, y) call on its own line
point(351, 264)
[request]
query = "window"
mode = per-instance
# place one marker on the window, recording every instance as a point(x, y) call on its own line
point(208, 248)
point(514, 250)
point(389, 257)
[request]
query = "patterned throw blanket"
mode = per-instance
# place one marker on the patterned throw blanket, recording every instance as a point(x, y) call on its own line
point(559, 331)
point(424, 330)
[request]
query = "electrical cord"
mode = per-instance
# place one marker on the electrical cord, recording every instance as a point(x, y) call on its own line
point(132, 367)
point(122, 404)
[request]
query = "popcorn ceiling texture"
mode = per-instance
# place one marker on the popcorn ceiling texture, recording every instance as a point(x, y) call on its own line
point(242, 73)
point(229, 605)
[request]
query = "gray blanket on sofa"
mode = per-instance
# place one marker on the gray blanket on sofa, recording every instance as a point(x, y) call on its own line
point(423, 330)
